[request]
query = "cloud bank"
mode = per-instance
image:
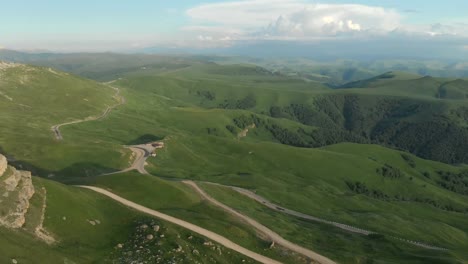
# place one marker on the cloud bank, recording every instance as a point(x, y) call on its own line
point(292, 19)
point(230, 23)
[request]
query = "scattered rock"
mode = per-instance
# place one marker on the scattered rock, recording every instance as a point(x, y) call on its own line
point(161, 236)
point(145, 226)
point(149, 237)
point(208, 243)
point(179, 248)
point(97, 222)
point(190, 237)
point(91, 222)
point(64, 218)
point(195, 252)
point(119, 245)
point(14, 261)
point(156, 228)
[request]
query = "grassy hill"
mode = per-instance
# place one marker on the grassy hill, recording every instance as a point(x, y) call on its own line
point(64, 224)
point(89, 228)
point(316, 150)
point(391, 110)
point(32, 100)
point(201, 115)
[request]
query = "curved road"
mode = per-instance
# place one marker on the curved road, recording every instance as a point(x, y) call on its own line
point(204, 232)
point(142, 152)
point(263, 229)
point(278, 208)
point(121, 101)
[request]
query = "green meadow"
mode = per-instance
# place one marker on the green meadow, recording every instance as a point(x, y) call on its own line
point(385, 154)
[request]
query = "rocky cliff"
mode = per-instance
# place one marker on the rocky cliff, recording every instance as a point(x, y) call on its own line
point(16, 189)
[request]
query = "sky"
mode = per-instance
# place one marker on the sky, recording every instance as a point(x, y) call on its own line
point(124, 25)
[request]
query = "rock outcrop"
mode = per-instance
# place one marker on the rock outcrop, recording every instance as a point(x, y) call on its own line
point(16, 189)
point(3, 165)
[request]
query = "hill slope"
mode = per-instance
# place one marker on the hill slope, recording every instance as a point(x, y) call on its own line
point(244, 126)
point(64, 224)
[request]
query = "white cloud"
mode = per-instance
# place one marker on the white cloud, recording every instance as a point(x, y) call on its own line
point(297, 20)
point(324, 20)
point(293, 18)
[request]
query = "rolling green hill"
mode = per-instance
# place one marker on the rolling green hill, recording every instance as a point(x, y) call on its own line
point(397, 110)
point(88, 228)
point(32, 100)
point(339, 154)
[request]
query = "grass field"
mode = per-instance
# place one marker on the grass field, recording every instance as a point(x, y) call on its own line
point(178, 200)
point(199, 109)
point(89, 227)
point(342, 246)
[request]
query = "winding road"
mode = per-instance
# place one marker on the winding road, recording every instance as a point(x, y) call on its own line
point(121, 100)
point(204, 232)
point(278, 208)
point(349, 228)
point(142, 152)
point(263, 229)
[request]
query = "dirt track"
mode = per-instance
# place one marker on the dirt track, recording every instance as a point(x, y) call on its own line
point(263, 229)
point(349, 228)
point(204, 232)
point(142, 152)
point(275, 207)
point(117, 96)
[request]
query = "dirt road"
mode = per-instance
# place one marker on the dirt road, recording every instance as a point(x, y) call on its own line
point(263, 229)
point(353, 229)
point(276, 207)
point(204, 232)
point(142, 152)
point(117, 96)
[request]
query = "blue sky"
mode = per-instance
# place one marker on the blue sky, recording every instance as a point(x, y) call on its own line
point(107, 25)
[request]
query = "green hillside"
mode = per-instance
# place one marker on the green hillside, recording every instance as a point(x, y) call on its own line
point(339, 154)
point(398, 112)
point(32, 100)
point(89, 228)
point(200, 116)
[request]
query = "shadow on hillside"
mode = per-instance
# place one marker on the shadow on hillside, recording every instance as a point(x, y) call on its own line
point(145, 139)
point(77, 173)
